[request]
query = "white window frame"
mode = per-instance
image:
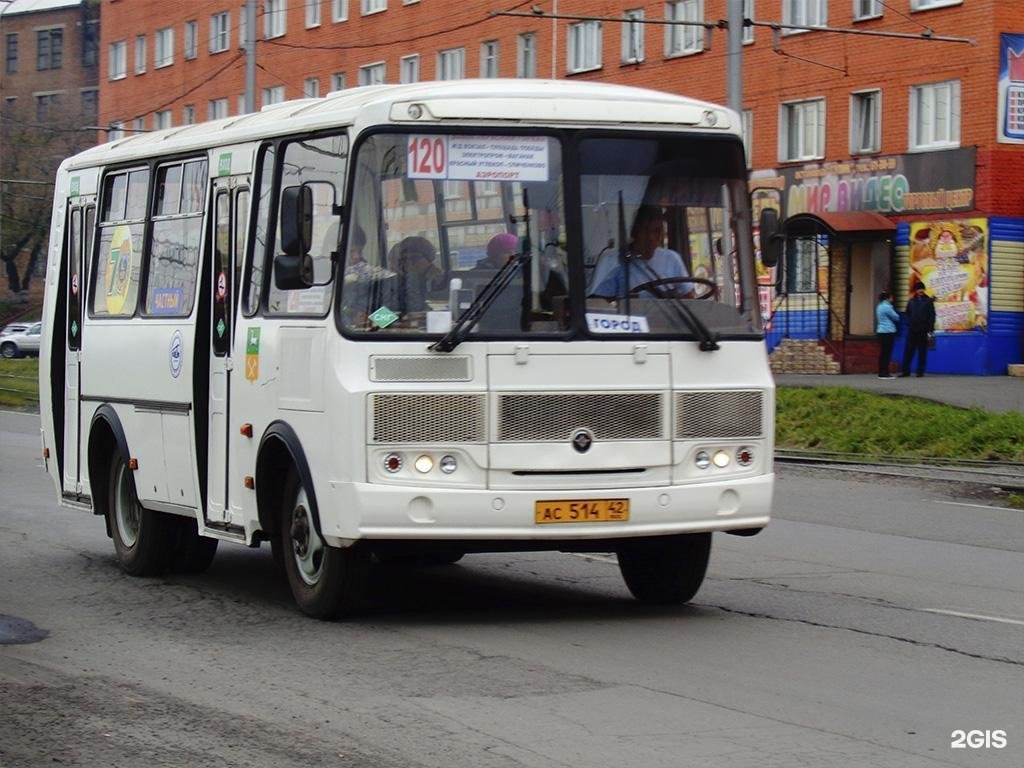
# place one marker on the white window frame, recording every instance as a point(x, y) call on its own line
point(934, 115)
point(451, 64)
point(583, 49)
point(163, 47)
point(313, 13)
point(217, 109)
point(748, 13)
point(339, 10)
point(275, 19)
point(684, 39)
point(633, 36)
point(188, 114)
point(526, 54)
point(163, 119)
point(191, 39)
point(369, 7)
point(373, 74)
point(272, 94)
point(865, 121)
point(116, 129)
point(138, 124)
point(220, 31)
point(867, 9)
point(140, 54)
point(807, 13)
point(339, 81)
point(927, 5)
point(802, 130)
point(409, 68)
point(117, 53)
point(311, 87)
point(489, 59)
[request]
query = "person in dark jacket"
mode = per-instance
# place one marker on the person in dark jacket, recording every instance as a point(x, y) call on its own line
point(920, 324)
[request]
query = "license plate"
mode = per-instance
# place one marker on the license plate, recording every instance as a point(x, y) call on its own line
point(581, 511)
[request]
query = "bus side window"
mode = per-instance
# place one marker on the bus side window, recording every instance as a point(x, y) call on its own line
point(263, 220)
point(118, 260)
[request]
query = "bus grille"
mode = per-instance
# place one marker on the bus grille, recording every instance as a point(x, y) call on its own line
point(526, 417)
point(703, 415)
point(429, 418)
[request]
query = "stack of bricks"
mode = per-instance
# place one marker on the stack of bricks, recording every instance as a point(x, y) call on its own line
point(802, 356)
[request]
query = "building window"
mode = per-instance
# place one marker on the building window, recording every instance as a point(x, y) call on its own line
point(311, 87)
point(489, 58)
point(11, 53)
point(49, 49)
point(935, 115)
point(409, 69)
point(865, 122)
point(217, 109)
point(748, 13)
point(116, 61)
point(924, 5)
point(191, 39)
point(688, 38)
point(140, 54)
point(188, 114)
point(90, 104)
point(46, 106)
point(807, 13)
point(800, 268)
point(91, 43)
point(372, 74)
point(312, 13)
point(163, 47)
point(802, 130)
point(584, 46)
point(274, 94)
point(275, 18)
point(243, 29)
point(138, 124)
point(526, 55)
point(162, 119)
point(116, 129)
point(373, 6)
point(338, 81)
point(451, 64)
point(866, 9)
point(220, 31)
point(633, 37)
point(747, 127)
point(339, 10)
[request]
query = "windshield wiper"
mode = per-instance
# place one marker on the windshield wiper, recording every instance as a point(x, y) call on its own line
point(708, 339)
point(479, 306)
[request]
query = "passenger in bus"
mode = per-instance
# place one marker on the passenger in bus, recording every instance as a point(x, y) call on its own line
point(649, 261)
point(505, 311)
point(413, 259)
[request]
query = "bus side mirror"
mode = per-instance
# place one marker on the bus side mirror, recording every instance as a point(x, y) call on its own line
point(293, 269)
point(771, 237)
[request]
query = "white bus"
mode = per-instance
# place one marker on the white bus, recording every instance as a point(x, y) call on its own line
point(369, 328)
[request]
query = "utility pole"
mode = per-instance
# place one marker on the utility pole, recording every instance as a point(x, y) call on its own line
point(250, 56)
point(734, 78)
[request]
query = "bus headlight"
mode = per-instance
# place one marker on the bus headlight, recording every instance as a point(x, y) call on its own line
point(702, 460)
point(721, 459)
point(448, 464)
point(423, 464)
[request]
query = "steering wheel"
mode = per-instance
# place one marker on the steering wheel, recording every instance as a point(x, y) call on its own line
point(658, 287)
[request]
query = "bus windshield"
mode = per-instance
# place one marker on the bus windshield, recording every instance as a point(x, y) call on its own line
point(662, 248)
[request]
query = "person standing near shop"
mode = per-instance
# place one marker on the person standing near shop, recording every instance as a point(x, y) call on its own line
point(920, 325)
point(887, 322)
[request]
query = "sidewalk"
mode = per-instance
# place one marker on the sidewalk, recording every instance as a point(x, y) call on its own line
point(999, 394)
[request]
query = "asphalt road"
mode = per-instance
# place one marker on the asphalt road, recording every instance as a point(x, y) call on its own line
point(871, 620)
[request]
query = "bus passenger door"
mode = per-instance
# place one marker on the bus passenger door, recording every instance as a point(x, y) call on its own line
point(230, 210)
point(79, 241)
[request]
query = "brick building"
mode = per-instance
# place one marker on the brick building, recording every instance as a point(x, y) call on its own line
point(892, 158)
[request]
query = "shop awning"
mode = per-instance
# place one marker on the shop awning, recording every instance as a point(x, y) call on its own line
point(849, 225)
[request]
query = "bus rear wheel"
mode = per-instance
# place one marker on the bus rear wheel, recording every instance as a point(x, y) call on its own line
point(143, 538)
point(667, 570)
point(327, 582)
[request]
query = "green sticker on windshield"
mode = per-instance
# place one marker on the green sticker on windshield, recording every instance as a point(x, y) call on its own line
point(383, 317)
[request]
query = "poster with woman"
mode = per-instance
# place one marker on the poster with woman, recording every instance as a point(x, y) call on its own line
point(951, 259)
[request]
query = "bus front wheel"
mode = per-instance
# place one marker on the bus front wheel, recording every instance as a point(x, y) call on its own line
point(666, 570)
point(327, 582)
point(143, 538)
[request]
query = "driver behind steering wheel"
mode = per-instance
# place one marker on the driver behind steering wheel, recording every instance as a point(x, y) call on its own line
point(650, 261)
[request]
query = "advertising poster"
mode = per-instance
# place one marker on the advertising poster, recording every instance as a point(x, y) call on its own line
point(951, 259)
point(1011, 89)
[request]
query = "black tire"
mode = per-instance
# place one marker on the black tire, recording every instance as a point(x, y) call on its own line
point(143, 539)
point(192, 553)
point(9, 349)
point(327, 582)
point(667, 570)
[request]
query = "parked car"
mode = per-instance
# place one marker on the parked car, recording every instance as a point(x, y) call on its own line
point(14, 328)
point(23, 343)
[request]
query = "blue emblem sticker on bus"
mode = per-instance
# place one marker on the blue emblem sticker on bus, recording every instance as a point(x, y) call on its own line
point(383, 317)
point(175, 354)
